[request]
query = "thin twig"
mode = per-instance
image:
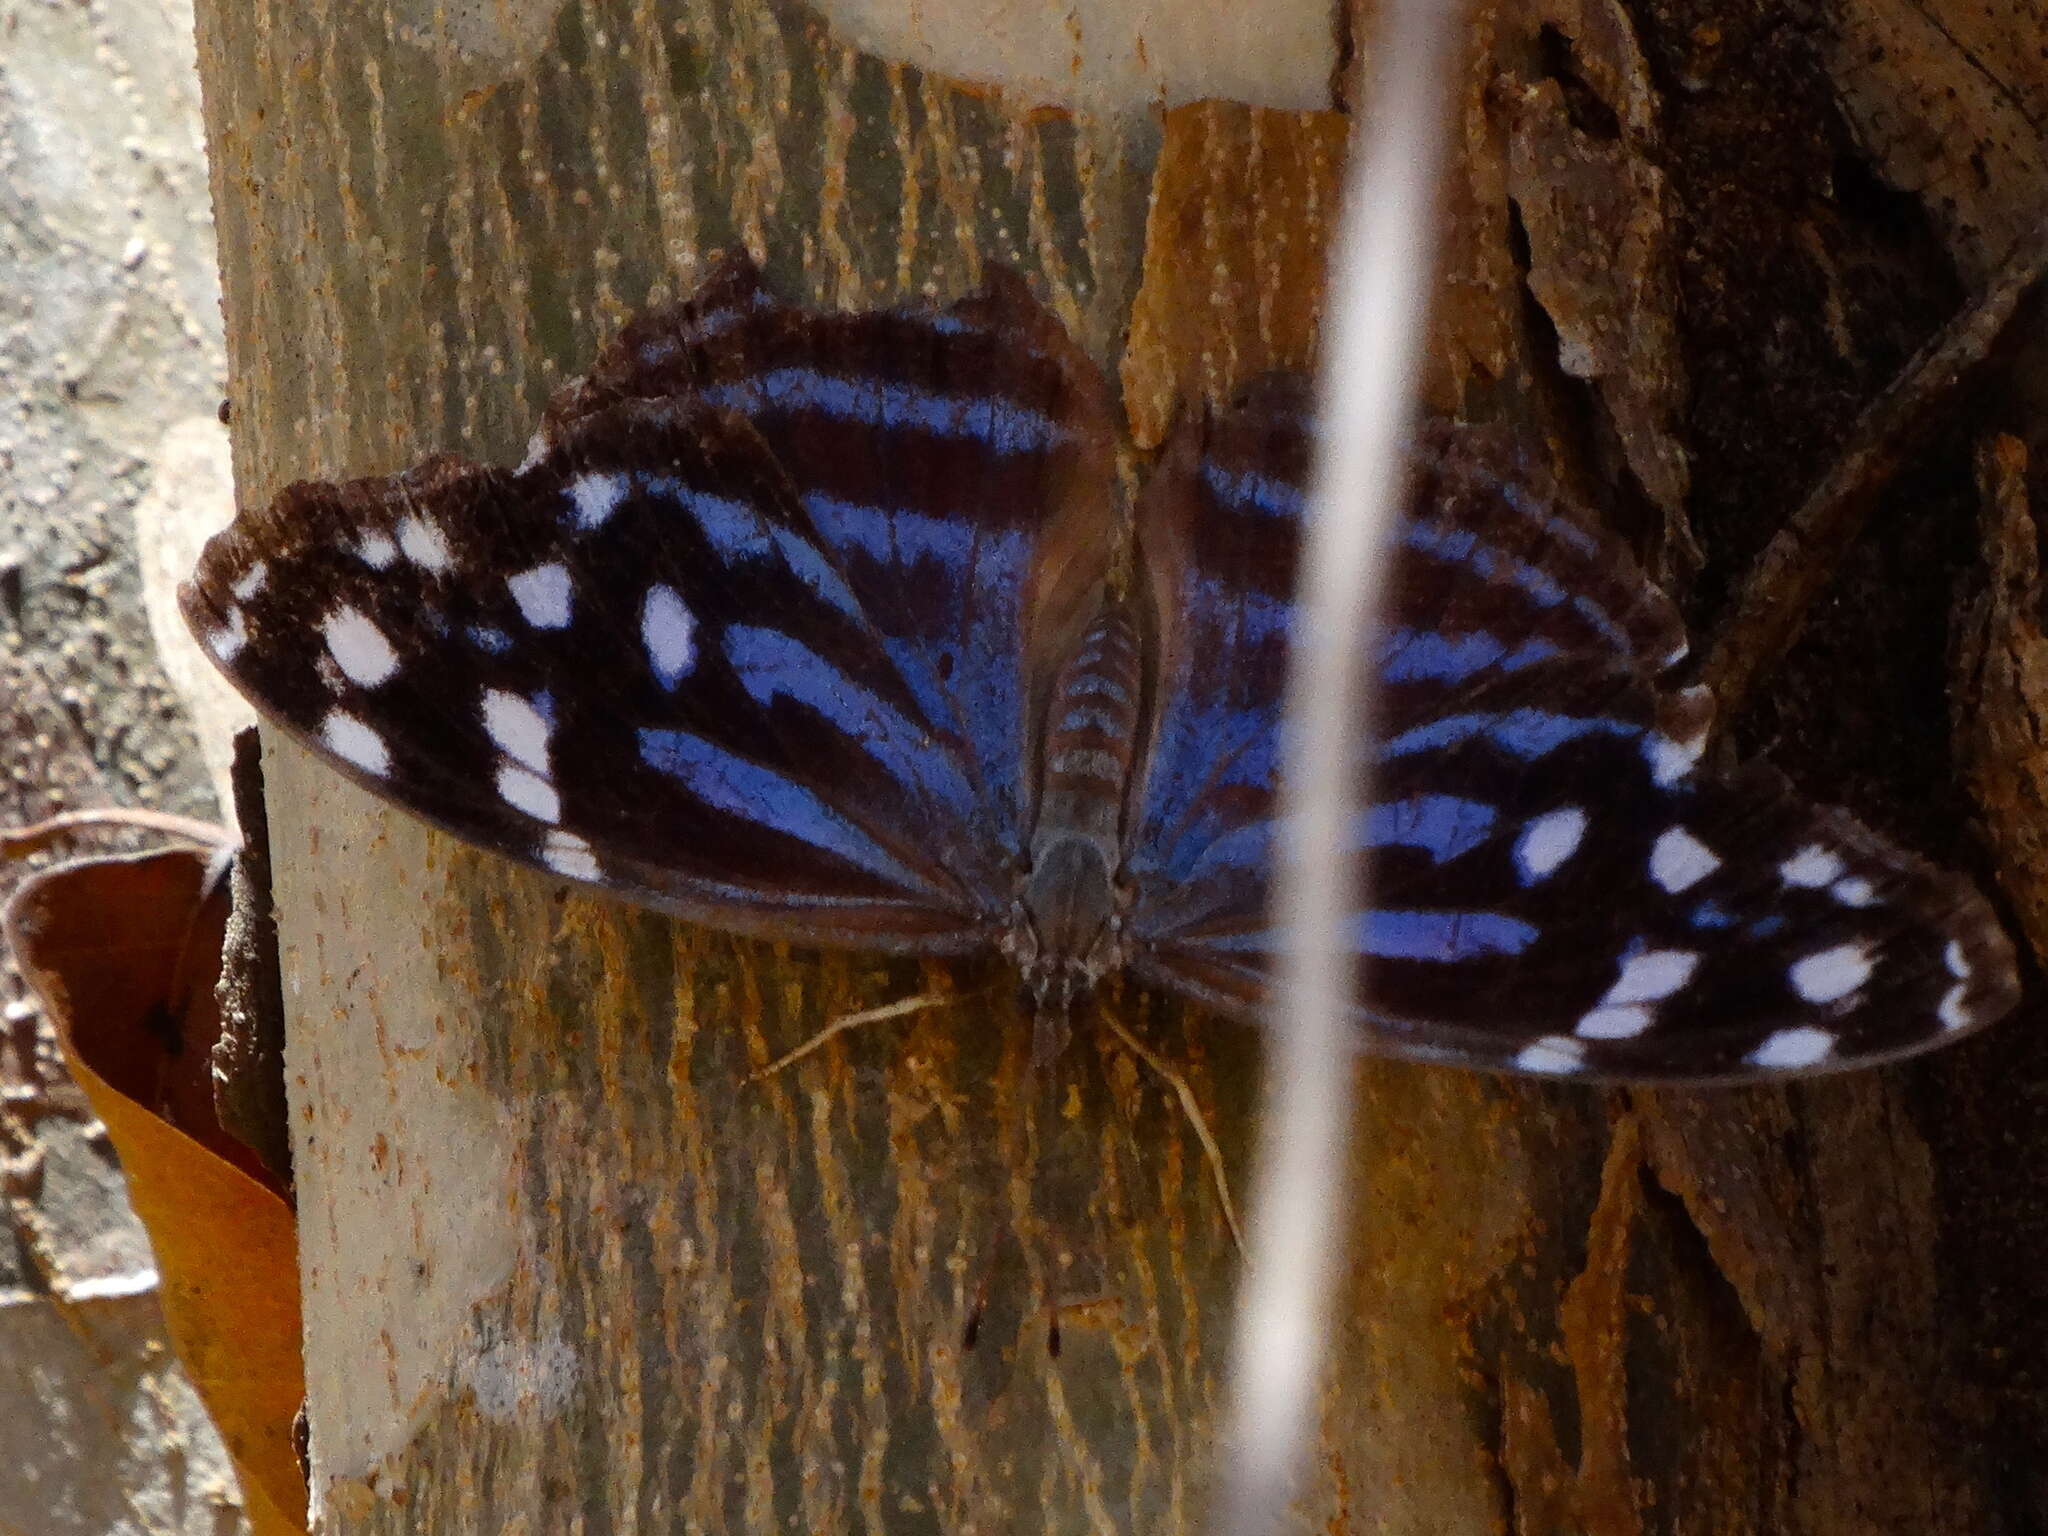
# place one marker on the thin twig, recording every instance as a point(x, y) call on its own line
point(19, 842)
point(1800, 560)
point(1192, 1108)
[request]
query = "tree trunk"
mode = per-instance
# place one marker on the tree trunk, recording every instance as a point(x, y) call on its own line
point(567, 1267)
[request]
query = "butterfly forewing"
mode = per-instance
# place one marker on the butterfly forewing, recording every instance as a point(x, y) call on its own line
point(1557, 886)
point(630, 662)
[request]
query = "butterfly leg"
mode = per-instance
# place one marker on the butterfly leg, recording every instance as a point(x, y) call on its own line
point(1190, 1107)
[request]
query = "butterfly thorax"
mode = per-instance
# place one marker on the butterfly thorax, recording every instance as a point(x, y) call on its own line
point(1067, 932)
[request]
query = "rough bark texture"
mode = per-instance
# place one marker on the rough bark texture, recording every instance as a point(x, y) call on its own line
point(566, 1266)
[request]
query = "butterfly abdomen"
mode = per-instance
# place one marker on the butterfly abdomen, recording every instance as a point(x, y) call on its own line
point(1090, 730)
point(1069, 897)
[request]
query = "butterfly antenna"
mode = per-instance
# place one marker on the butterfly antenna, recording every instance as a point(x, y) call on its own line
point(847, 1021)
point(1191, 1107)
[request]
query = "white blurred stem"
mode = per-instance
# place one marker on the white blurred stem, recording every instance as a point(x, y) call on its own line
point(1378, 298)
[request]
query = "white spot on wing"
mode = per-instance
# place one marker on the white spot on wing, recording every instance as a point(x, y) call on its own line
point(1619, 1023)
point(226, 642)
point(669, 632)
point(425, 545)
point(1547, 841)
point(567, 854)
point(377, 550)
point(1811, 867)
point(1645, 978)
point(1656, 974)
point(1829, 974)
point(542, 595)
point(1552, 1054)
point(1854, 891)
point(251, 581)
point(359, 648)
point(1952, 1013)
point(1957, 962)
point(1671, 760)
point(525, 790)
point(519, 730)
point(1679, 861)
point(1790, 1049)
point(352, 741)
point(596, 497)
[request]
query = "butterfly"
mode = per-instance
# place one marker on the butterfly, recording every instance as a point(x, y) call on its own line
point(823, 626)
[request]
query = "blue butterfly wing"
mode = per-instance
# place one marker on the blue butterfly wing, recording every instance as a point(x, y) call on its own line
point(746, 637)
point(1557, 885)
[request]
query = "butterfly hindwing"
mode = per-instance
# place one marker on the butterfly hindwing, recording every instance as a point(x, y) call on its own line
point(630, 662)
point(1218, 528)
point(958, 462)
point(1556, 884)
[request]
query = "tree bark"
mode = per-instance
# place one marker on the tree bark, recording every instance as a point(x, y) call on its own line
point(567, 1266)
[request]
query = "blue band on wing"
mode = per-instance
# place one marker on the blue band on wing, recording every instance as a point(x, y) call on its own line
point(1443, 826)
point(1246, 490)
point(1527, 733)
point(771, 664)
point(1399, 935)
point(1002, 426)
point(736, 529)
point(764, 798)
point(1461, 546)
point(964, 675)
point(1430, 656)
